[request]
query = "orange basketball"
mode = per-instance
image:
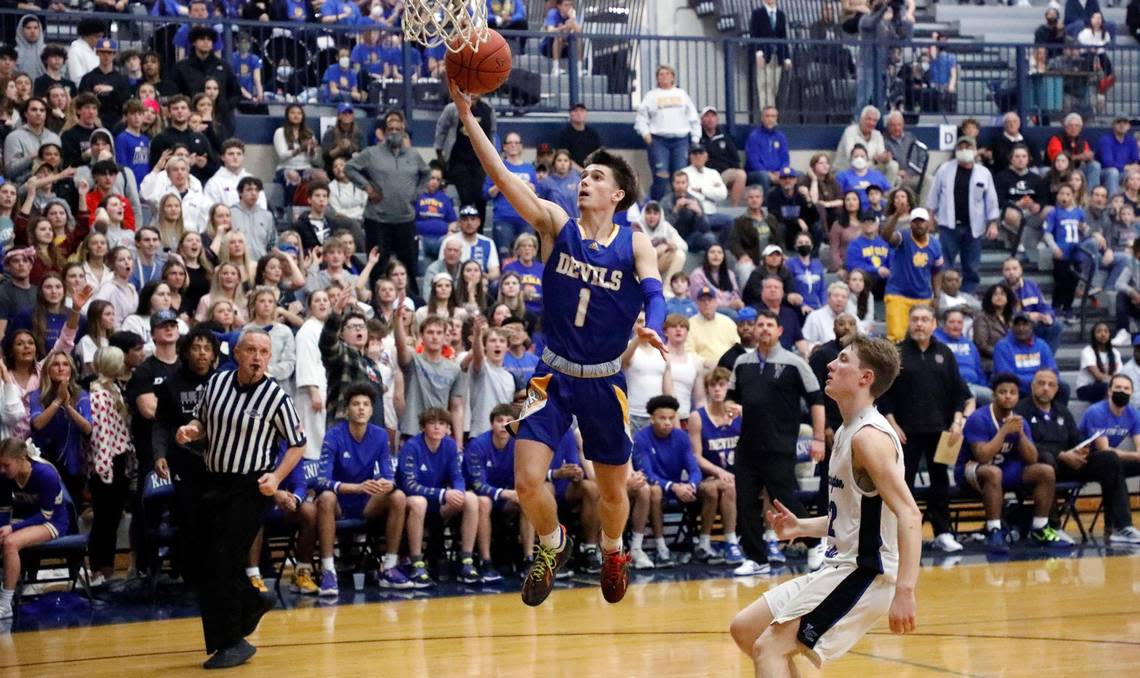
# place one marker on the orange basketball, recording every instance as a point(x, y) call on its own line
point(482, 71)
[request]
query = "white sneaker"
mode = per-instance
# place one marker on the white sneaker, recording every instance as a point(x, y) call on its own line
point(641, 560)
point(6, 610)
point(1127, 535)
point(1123, 338)
point(946, 542)
point(815, 557)
point(750, 568)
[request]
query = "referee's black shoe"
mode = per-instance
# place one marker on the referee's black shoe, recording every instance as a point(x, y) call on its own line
point(234, 655)
point(265, 603)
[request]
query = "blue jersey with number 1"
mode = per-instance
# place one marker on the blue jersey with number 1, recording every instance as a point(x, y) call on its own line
point(591, 295)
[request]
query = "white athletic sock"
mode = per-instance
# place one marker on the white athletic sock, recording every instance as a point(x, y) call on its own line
point(6, 595)
point(705, 542)
point(730, 537)
point(769, 535)
point(661, 547)
point(389, 561)
point(1039, 523)
point(993, 525)
point(328, 564)
point(553, 540)
point(611, 544)
point(252, 572)
point(635, 541)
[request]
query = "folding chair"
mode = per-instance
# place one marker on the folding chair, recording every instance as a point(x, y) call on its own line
point(1065, 495)
point(159, 531)
point(69, 549)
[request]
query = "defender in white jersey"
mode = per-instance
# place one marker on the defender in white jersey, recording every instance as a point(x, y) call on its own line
point(872, 531)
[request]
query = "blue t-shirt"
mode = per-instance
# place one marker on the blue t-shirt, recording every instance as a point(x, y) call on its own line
point(343, 78)
point(531, 278)
point(133, 151)
point(244, 68)
point(562, 191)
point(61, 441)
point(868, 254)
point(1012, 356)
point(807, 281)
point(966, 353)
point(1116, 429)
point(335, 7)
point(913, 266)
point(395, 56)
point(369, 57)
point(681, 305)
point(503, 210)
point(941, 69)
point(849, 181)
point(521, 368)
point(1065, 226)
point(980, 428)
point(297, 10)
point(718, 443)
point(553, 20)
point(434, 211)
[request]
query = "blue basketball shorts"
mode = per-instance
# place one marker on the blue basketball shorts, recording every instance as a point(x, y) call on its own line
point(599, 403)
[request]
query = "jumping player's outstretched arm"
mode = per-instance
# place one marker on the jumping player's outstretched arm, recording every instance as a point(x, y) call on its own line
point(545, 216)
point(873, 452)
point(645, 261)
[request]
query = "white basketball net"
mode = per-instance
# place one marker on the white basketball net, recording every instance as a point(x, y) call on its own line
point(454, 23)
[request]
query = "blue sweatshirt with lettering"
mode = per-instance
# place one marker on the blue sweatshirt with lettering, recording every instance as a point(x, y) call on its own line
point(430, 474)
point(488, 469)
point(666, 460)
point(344, 459)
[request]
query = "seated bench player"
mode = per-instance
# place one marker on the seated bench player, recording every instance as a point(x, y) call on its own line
point(290, 505)
point(489, 468)
point(1120, 422)
point(356, 481)
point(432, 477)
point(998, 455)
point(666, 456)
point(31, 497)
point(714, 431)
point(574, 488)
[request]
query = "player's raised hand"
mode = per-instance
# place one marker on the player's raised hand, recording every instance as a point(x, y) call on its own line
point(783, 521)
point(650, 336)
point(904, 611)
point(462, 99)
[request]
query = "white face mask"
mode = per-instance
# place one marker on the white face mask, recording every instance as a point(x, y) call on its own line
point(343, 61)
point(964, 156)
point(859, 163)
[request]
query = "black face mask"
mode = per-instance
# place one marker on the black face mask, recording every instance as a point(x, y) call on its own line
point(1052, 21)
point(1120, 399)
point(803, 250)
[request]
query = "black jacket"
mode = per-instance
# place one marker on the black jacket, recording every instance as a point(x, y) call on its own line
point(723, 153)
point(928, 390)
point(189, 76)
point(1053, 432)
point(760, 26)
point(110, 103)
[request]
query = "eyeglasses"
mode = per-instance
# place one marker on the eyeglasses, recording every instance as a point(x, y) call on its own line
point(355, 327)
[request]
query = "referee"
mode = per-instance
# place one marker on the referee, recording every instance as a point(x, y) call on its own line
point(242, 413)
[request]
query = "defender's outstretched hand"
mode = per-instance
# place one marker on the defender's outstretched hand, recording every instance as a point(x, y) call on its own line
point(651, 337)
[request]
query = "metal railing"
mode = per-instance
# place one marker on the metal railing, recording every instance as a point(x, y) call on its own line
point(828, 79)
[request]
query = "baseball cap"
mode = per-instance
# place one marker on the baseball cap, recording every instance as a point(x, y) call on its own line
point(1022, 315)
point(966, 140)
point(771, 249)
point(544, 147)
point(344, 108)
point(919, 213)
point(163, 317)
point(468, 211)
point(709, 109)
point(746, 315)
point(1121, 118)
point(441, 276)
point(107, 45)
point(705, 291)
point(867, 215)
point(788, 173)
point(697, 148)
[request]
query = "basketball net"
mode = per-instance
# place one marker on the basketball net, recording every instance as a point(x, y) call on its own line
point(457, 24)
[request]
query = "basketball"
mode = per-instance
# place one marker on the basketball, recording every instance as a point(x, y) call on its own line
point(482, 71)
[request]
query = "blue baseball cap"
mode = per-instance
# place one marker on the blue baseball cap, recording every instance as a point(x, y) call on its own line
point(344, 108)
point(107, 45)
point(746, 315)
point(788, 173)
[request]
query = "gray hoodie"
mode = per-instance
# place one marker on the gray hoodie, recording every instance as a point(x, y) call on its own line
point(28, 53)
point(126, 184)
point(20, 149)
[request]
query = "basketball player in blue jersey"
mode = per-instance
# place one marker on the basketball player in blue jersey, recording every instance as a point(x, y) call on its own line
point(596, 279)
point(873, 531)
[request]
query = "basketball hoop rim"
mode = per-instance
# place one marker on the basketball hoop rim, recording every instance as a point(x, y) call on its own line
point(455, 24)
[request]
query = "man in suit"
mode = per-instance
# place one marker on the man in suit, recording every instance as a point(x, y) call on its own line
point(772, 58)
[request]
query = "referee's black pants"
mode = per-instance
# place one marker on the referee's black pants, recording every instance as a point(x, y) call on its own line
point(231, 512)
point(756, 471)
point(923, 446)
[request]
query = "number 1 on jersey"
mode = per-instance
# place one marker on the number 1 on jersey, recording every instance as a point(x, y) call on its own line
point(583, 306)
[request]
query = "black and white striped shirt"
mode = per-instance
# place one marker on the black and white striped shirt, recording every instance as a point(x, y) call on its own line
point(243, 423)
